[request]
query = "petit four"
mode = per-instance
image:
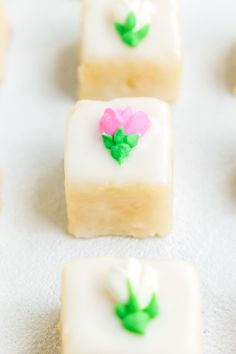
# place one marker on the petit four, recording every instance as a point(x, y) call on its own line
point(132, 306)
point(118, 168)
point(130, 48)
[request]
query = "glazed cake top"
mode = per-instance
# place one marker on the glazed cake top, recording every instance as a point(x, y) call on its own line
point(90, 326)
point(99, 40)
point(88, 161)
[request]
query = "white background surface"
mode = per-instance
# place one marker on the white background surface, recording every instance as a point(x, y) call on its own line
point(34, 99)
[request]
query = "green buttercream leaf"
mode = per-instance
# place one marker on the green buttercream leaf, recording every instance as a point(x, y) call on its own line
point(133, 39)
point(143, 32)
point(121, 311)
point(132, 140)
point(107, 140)
point(130, 22)
point(120, 28)
point(120, 152)
point(153, 308)
point(133, 318)
point(127, 31)
point(136, 322)
point(119, 136)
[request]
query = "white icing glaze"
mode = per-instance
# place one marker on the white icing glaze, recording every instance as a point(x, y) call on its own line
point(142, 278)
point(143, 10)
point(90, 326)
point(87, 160)
point(163, 43)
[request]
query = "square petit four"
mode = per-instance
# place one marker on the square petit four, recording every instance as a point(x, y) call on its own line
point(4, 31)
point(114, 306)
point(130, 48)
point(118, 168)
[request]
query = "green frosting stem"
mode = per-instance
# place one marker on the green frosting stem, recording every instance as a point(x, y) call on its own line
point(136, 322)
point(133, 318)
point(120, 144)
point(127, 31)
point(120, 151)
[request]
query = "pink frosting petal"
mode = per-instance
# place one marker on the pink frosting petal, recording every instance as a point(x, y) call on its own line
point(125, 114)
point(137, 124)
point(133, 123)
point(110, 121)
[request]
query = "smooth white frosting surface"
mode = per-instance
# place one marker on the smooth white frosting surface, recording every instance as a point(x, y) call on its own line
point(87, 160)
point(89, 325)
point(101, 42)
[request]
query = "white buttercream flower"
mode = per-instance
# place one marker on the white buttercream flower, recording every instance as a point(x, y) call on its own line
point(143, 9)
point(141, 277)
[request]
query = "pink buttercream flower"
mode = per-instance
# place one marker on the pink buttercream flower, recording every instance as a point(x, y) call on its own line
point(132, 123)
point(110, 121)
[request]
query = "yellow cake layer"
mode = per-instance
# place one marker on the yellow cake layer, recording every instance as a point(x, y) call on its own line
point(129, 210)
point(141, 78)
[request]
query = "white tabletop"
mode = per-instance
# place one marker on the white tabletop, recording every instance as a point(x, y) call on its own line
point(34, 99)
